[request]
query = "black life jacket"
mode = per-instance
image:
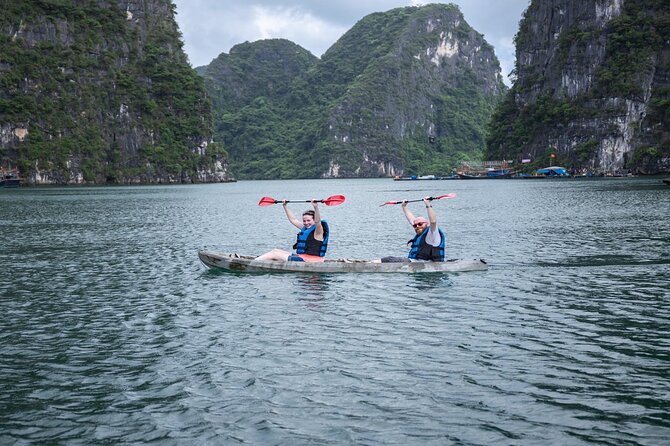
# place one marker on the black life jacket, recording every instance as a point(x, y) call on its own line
point(307, 244)
point(421, 250)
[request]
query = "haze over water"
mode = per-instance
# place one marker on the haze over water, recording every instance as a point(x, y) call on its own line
point(112, 332)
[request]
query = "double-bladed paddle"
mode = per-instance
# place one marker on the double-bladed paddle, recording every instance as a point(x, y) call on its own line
point(330, 201)
point(439, 197)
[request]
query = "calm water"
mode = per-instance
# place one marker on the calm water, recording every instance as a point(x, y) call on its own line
point(112, 332)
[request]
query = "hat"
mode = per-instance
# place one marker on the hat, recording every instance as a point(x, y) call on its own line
point(418, 220)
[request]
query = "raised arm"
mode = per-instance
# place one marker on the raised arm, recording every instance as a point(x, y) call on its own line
point(432, 216)
point(408, 214)
point(318, 230)
point(294, 221)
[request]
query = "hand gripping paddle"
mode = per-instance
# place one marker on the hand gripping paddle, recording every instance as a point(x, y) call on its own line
point(451, 195)
point(330, 201)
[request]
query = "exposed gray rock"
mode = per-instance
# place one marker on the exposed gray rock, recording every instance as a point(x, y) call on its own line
point(596, 74)
point(110, 98)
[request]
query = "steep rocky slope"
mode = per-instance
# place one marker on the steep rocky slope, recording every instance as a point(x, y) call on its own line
point(260, 104)
point(101, 92)
point(593, 87)
point(409, 90)
point(420, 103)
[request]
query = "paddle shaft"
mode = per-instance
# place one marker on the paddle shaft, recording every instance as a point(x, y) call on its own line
point(421, 199)
point(452, 195)
point(300, 201)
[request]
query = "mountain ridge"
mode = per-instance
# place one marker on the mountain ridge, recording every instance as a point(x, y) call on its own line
point(101, 92)
point(592, 87)
point(386, 99)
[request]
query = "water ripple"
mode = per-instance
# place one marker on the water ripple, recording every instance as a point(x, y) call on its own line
point(113, 333)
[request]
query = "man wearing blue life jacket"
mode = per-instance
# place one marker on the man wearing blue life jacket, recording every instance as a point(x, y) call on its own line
point(312, 241)
point(428, 242)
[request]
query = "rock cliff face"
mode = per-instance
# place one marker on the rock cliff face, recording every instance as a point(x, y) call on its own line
point(404, 91)
point(251, 70)
point(420, 96)
point(593, 85)
point(101, 92)
point(259, 102)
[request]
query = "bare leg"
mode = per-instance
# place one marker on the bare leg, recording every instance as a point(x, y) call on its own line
point(275, 254)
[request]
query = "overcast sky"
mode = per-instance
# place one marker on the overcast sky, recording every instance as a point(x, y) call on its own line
point(212, 27)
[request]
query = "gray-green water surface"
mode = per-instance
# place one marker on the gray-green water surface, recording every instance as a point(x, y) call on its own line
point(112, 332)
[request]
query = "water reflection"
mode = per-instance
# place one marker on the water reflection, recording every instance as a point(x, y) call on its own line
point(313, 286)
point(563, 341)
point(431, 281)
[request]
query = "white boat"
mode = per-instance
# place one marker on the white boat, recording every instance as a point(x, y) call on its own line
point(240, 263)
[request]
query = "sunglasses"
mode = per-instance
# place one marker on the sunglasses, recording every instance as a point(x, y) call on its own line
point(419, 224)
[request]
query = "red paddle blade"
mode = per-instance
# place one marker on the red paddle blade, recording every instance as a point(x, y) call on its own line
point(334, 200)
point(267, 201)
point(389, 202)
point(451, 195)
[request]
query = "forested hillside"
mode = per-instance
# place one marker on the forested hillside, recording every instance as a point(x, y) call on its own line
point(592, 87)
point(405, 91)
point(261, 105)
point(101, 92)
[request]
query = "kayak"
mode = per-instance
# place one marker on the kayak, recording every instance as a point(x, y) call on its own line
point(239, 263)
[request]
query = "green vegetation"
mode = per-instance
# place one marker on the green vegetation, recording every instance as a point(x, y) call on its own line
point(643, 154)
point(636, 45)
point(261, 102)
point(94, 94)
point(369, 102)
point(633, 39)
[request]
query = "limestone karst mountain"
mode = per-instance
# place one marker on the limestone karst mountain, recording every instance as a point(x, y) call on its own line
point(101, 92)
point(409, 90)
point(592, 87)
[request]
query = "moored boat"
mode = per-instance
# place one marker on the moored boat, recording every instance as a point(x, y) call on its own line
point(489, 174)
point(499, 173)
point(424, 177)
point(554, 172)
point(527, 176)
point(239, 263)
point(9, 178)
point(467, 176)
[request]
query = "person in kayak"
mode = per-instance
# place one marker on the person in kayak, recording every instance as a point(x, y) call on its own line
point(312, 240)
point(429, 240)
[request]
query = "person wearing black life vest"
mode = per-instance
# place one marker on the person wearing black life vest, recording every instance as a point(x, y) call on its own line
point(428, 242)
point(312, 240)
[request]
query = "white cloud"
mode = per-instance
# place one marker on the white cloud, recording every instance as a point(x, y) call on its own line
point(297, 26)
point(211, 27)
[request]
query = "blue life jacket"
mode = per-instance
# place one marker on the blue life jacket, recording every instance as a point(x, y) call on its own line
point(307, 244)
point(421, 250)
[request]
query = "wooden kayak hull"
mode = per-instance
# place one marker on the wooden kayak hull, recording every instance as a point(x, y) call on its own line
point(239, 263)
